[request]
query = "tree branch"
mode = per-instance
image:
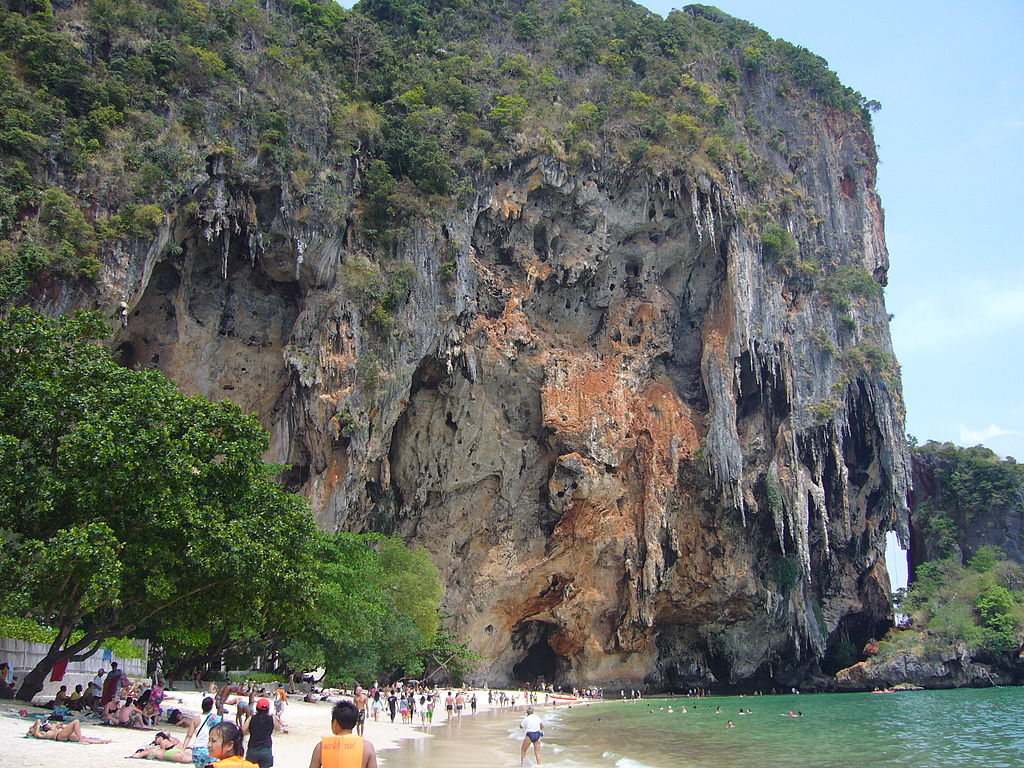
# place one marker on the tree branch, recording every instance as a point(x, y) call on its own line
point(90, 652)
point(163, 606)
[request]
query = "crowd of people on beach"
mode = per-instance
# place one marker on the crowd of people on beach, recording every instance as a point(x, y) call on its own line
point(237, 721)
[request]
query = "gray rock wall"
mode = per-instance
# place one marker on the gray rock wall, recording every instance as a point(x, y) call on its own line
point(638, 449)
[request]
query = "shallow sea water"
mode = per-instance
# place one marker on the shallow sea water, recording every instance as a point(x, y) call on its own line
point(967, 728)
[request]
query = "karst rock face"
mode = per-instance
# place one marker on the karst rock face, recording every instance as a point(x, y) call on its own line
point(638, 452)
point(582, 422)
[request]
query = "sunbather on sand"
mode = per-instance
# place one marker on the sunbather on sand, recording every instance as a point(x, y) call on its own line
point(165, 747)
point(62, 732)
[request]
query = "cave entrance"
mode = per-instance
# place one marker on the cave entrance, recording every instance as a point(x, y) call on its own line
point(846, 643)
point(540, 664)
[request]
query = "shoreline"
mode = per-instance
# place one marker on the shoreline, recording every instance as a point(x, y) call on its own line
point(307, 723)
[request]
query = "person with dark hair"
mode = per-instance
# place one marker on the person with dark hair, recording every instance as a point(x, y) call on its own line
point(344, 749)
point(226, 746)
point(392, 703)
point(116, 680)
point(361, 700)
point(62, 732)
point(129, 715)
point(200, 727)
point(164, 747)
point(6, 688)
point(260, 730)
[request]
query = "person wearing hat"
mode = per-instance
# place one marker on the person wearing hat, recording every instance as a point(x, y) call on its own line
point(260, 730)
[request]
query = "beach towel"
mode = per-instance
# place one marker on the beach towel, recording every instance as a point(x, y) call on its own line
point(58, 671)
point(109, 689)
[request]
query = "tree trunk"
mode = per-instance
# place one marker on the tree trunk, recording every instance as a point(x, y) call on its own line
point(34, 681)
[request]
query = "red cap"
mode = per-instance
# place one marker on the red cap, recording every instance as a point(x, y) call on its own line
point(263, 705)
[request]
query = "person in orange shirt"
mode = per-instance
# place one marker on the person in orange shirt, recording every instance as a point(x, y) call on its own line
point(344, 749)
point(226, 747)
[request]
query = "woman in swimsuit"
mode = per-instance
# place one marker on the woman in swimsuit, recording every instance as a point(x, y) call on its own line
point(63, 732)
point(165, 747)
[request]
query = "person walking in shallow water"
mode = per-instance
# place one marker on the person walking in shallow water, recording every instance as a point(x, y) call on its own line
point(534, 728)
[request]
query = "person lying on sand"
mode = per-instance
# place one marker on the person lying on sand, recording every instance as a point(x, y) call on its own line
point(62, 732)
point(165, 747)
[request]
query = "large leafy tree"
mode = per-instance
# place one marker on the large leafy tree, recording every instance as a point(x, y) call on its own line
point(128, 504)
point(375, 609)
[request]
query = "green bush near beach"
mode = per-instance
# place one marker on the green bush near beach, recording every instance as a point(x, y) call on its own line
point(980, 605)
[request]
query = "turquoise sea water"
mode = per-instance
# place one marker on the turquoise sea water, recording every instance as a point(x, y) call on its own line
point(970, 728)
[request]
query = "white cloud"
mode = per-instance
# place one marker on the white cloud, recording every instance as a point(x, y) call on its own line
point(975, 436)
point(997, 133)
point(966, 311)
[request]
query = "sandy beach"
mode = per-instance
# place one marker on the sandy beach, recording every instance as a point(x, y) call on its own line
point(306, 722)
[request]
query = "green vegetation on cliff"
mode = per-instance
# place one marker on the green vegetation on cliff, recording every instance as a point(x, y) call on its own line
point(973, 488)
point(114, 113)
point(965, 592)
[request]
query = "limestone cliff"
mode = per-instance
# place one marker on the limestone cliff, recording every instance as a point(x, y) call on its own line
point(642, 413)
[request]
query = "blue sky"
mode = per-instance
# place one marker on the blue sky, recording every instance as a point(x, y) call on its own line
point(950, 77)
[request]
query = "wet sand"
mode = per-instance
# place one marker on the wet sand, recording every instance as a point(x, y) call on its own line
point(479, 740)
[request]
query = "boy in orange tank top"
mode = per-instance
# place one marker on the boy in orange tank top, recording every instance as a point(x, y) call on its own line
point(344, 749)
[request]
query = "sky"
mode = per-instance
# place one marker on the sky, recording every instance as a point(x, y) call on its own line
point(950, 78)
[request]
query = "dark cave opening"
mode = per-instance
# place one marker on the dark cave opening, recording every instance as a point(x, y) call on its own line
point(125, 355)
point(541, 663)
point(295, 477)
point(846, 643)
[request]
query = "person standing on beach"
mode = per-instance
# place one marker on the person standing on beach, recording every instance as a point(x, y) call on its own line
point(534, 728)
point(360, 700)
point(260, 730)
point(115, 681)
point(344, 749)
point(199, 734)
point(392, 704)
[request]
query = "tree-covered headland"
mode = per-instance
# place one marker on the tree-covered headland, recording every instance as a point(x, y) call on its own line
point(113, 112)
point(967, 584)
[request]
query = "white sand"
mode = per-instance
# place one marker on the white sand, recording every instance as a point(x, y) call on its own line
point(306, 724)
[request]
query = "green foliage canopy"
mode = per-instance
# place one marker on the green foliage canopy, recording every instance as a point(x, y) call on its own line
point(375, 608)
point(125, 500)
